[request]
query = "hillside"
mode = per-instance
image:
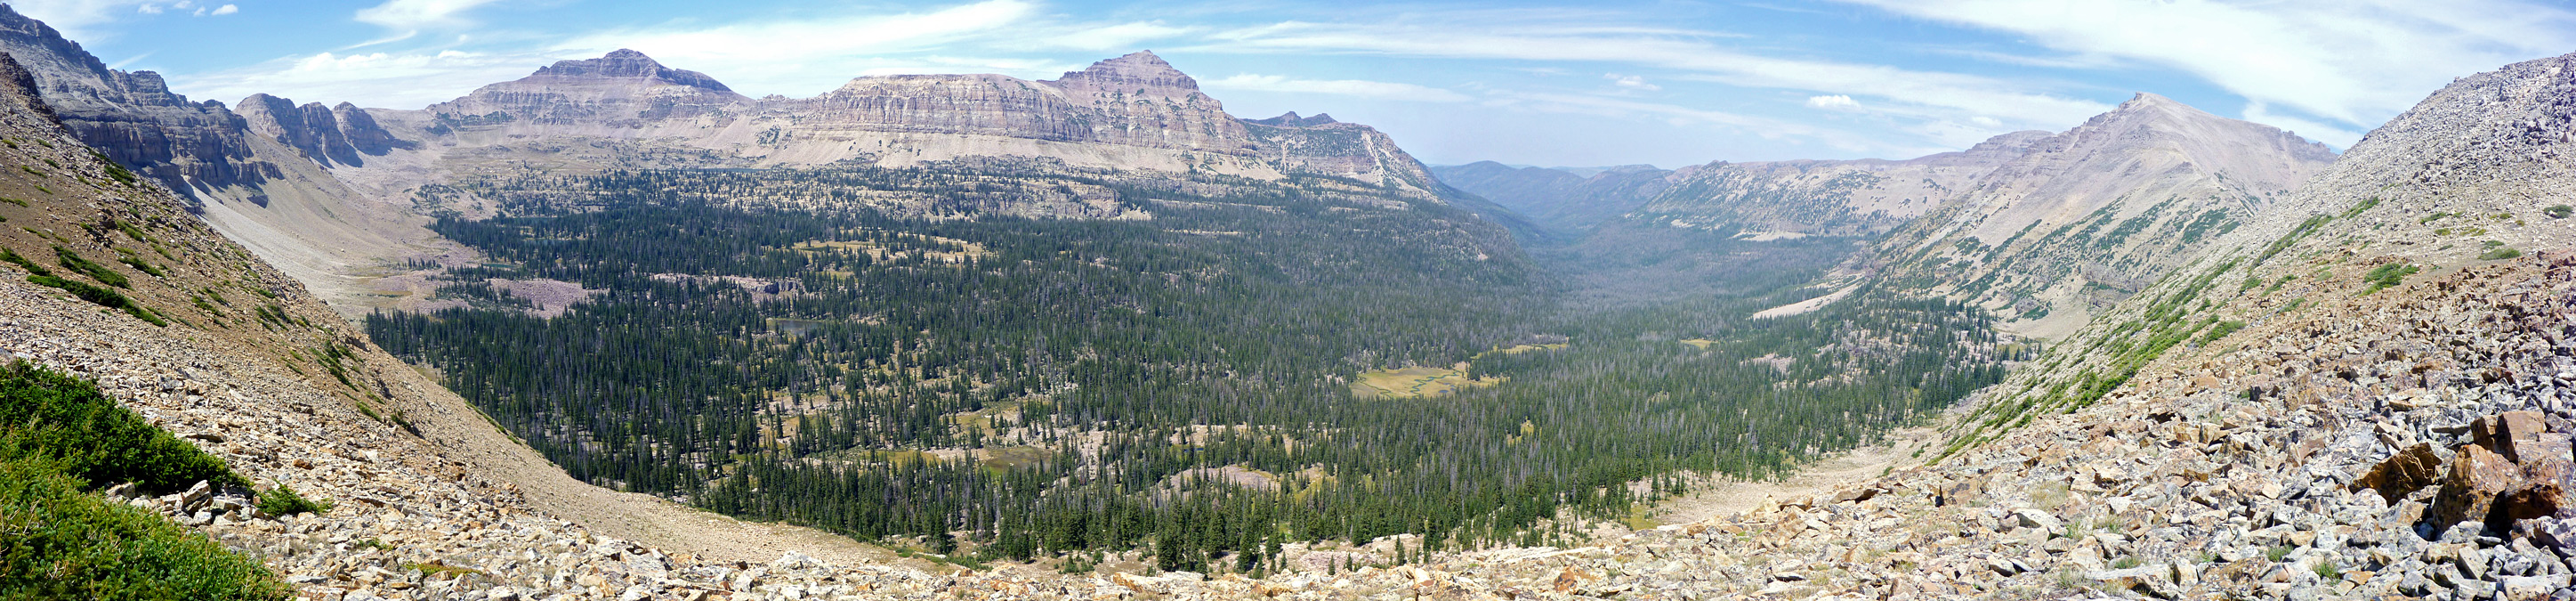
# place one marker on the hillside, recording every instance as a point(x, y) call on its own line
point(209, 342)
point(1822, 198)
point(2096, 213)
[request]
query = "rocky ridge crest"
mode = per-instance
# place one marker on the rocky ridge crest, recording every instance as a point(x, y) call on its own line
point(2097, 212)
point(1823, 198)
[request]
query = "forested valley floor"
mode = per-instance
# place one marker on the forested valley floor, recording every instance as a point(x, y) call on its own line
point(787, 345)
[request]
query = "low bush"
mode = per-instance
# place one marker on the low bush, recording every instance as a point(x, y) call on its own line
point(60, 435)
point(284, 501)
point(43, 412)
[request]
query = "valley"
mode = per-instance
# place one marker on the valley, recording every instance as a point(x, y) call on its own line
point(616, 329)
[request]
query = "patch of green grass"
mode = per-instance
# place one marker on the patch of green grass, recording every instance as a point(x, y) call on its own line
point(13, 201)
point(2559, 211)
point(2499, 253)
point(2385, 276)
point(2365, 205)
point(2276, 554)
point(2221, 331)
point(131, 231)
point(143, 266)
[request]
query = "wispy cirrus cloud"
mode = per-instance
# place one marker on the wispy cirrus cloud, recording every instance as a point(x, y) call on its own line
point(1381, 90)
point(2353, 63)
point(1907, 93)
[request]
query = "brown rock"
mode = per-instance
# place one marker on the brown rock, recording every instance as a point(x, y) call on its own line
point(2407, 471)
point(2469, 489)
point(2530, 500)
point(2514, 434)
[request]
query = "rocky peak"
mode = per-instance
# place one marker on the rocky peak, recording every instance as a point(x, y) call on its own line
point(629, 64)
point(310, 128)
point(1140, 74)
point(1291, 119)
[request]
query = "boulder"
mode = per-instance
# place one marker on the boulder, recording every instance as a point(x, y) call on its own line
point(2470, 487)
point(2406, 472)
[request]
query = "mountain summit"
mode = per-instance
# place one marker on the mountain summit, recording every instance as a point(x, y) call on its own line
point(628, 64)
point(2097, 212)
point(1138, 74)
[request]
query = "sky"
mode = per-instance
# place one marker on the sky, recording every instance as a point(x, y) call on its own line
point(1532, 83)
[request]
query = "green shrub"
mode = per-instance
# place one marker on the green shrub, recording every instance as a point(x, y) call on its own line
point(284, 501)
point(2560, 211)
point(22, 263)
point(2500, 253)
point(59, 435)
point(2384, 276)
point(66, 544)
point(100, 296)
point(45, 412)
point(95, 271)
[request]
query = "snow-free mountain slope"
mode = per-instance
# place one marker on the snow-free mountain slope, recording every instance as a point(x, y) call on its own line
point(1823, 198)
point(2097, 212)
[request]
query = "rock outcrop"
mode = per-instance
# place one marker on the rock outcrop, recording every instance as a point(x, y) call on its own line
point(133, 117)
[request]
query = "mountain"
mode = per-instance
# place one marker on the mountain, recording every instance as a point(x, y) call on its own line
point(1558, 199)
point(110, 279)
point(133, 116)
point(1133, 112)
point(2088, 216)
point(1823, 198)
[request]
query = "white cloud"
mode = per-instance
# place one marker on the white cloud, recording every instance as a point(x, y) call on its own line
point(1692, 58)
point(1381, 90)
point(375, 79)
point(1118, 38)
point(419, 14)
point(83, 20)
point(148, 9)
point(226, 9)
point(1835, 101)
point(2332, 135)
point(1682, 116)
point(811, 55)
point(1630, 82)
point(2354, 62)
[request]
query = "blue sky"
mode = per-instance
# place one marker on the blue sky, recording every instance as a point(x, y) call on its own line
point(1563, 83)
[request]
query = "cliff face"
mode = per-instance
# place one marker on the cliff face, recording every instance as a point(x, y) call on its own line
point(1134, 112)
point(1823, 198)
point(133, 117)
point(624, 89)
point(2091, 215)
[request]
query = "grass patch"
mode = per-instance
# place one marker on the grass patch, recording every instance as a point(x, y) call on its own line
point(2499, 253)
point(2385, 276)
